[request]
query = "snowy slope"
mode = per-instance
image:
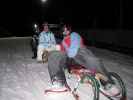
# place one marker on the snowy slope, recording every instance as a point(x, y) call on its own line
point(22, 78)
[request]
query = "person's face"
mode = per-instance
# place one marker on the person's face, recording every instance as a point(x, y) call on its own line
point(46, 28)
point(66, 31)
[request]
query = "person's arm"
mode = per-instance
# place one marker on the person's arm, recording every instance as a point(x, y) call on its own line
point(41, 38)
point(53, 39)
point(62, 47)
point(75, 45)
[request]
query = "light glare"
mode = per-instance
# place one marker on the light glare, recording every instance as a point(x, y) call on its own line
point(43, 0)
point(35, 25)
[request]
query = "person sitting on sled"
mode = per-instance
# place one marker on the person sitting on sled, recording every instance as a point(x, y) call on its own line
point(46, 41)
point(72, 47)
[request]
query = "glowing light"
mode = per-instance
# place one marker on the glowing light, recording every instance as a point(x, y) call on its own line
point(35, 25)
point(43, 0)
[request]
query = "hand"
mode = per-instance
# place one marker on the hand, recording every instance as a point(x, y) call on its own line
point(58, 47)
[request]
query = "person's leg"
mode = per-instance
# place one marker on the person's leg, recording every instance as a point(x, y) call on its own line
point(56, 62)
point(34, 49)
point(35, 52)
point(86, 58)
point(39, 53)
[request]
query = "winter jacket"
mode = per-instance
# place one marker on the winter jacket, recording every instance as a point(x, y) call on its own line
point(46, 39)
point(71, 44)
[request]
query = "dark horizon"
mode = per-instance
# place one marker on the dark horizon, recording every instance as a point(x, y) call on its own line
point(17, 19)
point(19, 16)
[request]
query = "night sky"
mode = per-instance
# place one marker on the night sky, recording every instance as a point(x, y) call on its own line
point(19, 15)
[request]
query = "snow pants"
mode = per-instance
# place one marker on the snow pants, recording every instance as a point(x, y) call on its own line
point(57, 61)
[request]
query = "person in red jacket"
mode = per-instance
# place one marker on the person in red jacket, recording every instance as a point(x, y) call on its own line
point(72, 48)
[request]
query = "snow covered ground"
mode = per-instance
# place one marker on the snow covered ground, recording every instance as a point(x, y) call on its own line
point(22, 78)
